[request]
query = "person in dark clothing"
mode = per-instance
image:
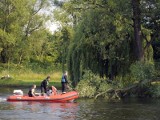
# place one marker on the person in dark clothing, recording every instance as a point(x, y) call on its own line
point(64, 82)
point(31, 92)
point(45, 84)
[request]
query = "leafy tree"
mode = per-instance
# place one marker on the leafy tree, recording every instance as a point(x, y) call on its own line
point(19, 25)
point(64, 16)
point(150, 21)
point(104, 41)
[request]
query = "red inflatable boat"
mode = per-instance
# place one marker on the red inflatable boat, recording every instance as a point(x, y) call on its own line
point(53, 97)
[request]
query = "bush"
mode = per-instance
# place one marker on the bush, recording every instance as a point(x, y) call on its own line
point(124, 81)
point(142, 71)
point(91, 84)
point(156, 91)
point(139, 71)
point(85, 89)
point(157, 68)
point(87, 85)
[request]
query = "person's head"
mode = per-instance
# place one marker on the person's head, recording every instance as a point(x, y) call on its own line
point(65, 73)
point(48, 77)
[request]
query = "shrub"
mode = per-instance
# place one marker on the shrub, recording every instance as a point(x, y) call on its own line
point(156, 91)
point(85, 89)
point(91, 84)
point(124, 81)
point(142, 71)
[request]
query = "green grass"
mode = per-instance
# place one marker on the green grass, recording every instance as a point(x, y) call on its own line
point(29, 78)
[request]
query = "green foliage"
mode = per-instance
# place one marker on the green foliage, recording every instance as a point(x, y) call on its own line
point(21, 30)
point(124, 81)
point(98, 45)
point(142, 71)
point(104, 87)
point(103, 39)
point(92, 84)
point(95, 35)
point(139, 71)
point(156, 91)
point(24, 39)
point(157, 68)
point(85, 89)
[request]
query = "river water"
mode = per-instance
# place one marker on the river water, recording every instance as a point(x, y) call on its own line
point(81, 109)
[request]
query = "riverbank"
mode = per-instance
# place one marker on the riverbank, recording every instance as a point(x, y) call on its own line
point(28, 79)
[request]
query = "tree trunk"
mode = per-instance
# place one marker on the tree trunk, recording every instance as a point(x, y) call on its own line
point(137, 30)
point(3, 56)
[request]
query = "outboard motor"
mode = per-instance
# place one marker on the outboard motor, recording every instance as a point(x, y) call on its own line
point(18, 92)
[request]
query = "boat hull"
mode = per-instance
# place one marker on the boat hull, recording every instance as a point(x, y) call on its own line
point(67, 97)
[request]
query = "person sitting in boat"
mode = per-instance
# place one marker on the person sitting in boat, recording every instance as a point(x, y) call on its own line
point(31, 92)
point(49, 91)
point(52, 91)
point(44, 85)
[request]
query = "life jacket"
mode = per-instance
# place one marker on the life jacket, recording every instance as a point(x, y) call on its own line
point(63, 79)
point(44, 83)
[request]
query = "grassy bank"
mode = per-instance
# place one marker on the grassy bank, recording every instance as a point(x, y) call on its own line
point(28, 78)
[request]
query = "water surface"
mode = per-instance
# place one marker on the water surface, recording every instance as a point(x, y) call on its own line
point(81, 109)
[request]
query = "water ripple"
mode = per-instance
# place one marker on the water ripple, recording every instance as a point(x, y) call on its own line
point(2, 99)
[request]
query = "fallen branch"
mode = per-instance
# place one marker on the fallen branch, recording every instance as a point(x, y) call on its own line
point(121, 93)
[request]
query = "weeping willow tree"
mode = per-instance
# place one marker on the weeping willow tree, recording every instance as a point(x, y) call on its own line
point(100, 45)
point(104, 40)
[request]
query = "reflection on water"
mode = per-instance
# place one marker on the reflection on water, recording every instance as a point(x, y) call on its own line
point(129, 109)
point(82, 109)
point(37, 111)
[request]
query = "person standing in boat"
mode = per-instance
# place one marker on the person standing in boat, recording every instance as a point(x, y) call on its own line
point(31, 92)
point(45, 84)
point(64, 82)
